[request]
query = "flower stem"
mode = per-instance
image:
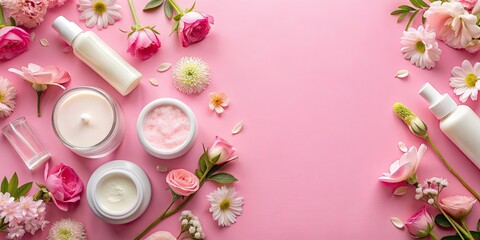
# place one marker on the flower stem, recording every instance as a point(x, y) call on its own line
point(464, 224)
point(132, 9)
point(159, 219)
point(175, 6)
point(2, 17)
point(461, 232)
point(39, 94)
point(433, 236)
point(435, 149)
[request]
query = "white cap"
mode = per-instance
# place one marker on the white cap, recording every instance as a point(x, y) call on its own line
point(440, 105)
point(67, 30)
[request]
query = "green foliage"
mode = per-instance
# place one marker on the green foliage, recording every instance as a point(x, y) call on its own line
point(168, 9)
point(12, 187)
point(12, 22)
point(452, 237)
point(192, 7)
point(4, 187)
point(175, 27)
point(442, 221)
point(412, 11)
point(223, 178)
point(153, 4)
point(478, 225)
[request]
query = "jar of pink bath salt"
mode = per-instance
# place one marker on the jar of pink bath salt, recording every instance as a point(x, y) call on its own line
point(167, 128)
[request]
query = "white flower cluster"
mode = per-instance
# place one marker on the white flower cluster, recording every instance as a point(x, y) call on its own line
point(429, 191)
point(191, 225)
point(25, 215)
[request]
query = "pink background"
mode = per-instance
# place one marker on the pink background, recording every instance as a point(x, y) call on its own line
point(312, 81)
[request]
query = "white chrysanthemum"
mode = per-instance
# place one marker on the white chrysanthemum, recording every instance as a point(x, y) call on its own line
point(225, 205)
point(7, 95)
point(99, 12)
point(465, 82)
point(191, 75)
point(67, 229)
point(420, 46)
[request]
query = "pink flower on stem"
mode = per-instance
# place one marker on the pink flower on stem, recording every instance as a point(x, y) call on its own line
point(457, 206)
point(226, 150)
point(182, 182)
point(64, 185)
point(405, 168)
point(193, 27)
point(41, 78)
point(13, 42)
point(143, 42)
point(420, 224)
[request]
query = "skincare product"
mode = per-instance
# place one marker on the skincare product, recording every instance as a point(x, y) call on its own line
point(25, 142)
point(167, 128)
point(94, 52)
point(460, 123)
point(88, 121)
point(119, 192)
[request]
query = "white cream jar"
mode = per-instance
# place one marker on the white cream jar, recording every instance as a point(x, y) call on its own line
point(118, 192)
point(167, 128)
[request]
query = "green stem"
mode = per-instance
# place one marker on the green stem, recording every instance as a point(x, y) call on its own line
point(39, 94)
point(435, 149)
point(132, 9)
point(464, 224)
point(433, 236)
point(461, 232)
point(175, 6)
point(2, 17)
point(159, 219)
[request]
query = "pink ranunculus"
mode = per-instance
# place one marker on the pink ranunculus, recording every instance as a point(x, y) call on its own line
point(457, 206)
point(452, 23)
point(64, 185)
point(161, 235)
point(420, 224)
point(194, 27)
point(13, 42)
point(182, 182)
point(226, 150)
point(144, 43)
point(406, 167)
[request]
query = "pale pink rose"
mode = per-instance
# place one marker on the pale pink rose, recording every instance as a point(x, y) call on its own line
point(226, 150)
point(182, 182)
point(13, 41)
point(406, 167)
point(64, 185)
point(194, 27)
point(144, 43)
point(452, 23)
point(468, 4)
point(161, 235)
point(420, 224)
point(457, 206)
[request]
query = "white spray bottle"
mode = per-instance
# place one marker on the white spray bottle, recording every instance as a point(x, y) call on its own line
point(460, 123)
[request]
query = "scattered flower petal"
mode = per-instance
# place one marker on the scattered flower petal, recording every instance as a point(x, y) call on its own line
point(237, 128)
point(164, 67)
point(397, 222)
point(162, 168)
point(402, 147)
point(402, 73)
point(32, 36)
point(67, 49)
point(154, 81)
point(44, 42)
point(400, 191)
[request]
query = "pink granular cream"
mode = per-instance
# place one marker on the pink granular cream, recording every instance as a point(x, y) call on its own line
point(166, 127)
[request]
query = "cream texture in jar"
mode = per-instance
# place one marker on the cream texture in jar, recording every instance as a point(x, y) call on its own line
point(116, 193)
point(166, 127)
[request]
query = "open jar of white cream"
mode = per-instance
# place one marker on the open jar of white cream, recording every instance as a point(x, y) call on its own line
point(167, 128)
point(118, 192)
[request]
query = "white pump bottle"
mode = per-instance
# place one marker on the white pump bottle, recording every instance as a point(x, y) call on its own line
point(94, 52)
point(459, 123)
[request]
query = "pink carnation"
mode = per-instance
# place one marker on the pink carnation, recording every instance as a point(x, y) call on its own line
point(56, 3)
point(28, 13)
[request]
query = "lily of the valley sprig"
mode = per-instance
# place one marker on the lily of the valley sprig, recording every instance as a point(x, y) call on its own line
point(419, 128)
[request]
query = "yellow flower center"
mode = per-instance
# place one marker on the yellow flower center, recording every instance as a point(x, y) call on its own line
point(471, 80)
point(217, 101)
point(2, 97)
point(99, 7)
point(420, 46)
point(225, 204)
point(64, 234)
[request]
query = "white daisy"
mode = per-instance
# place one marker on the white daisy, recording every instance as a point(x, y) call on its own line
point(191, 75)
point(225, 206)
point(7, 95)
point(420, 47)
point(465, 82)
point(99, 12)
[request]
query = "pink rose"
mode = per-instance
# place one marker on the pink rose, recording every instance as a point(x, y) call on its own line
point(143, 42)
point(64, 185)
point(220, 146)
point(182, 182)
point(161, 235)
point(405, 168)
point(194, 27)
point(420, 224)
point(457, 206)
point(13, 41)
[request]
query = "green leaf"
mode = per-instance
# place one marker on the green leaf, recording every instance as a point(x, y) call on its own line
point(168, 9)
point(177, 18)
point(422, 3)
point(452, 237)
point(423, 19)
point(406, 7)
point(215, 159)
point(153, 4)
point(401, 17)
point(442, 221)
point(202, 161)
point(24, 189)
point(400, 11)
point(475, 234)
point(411, 19)
point(416, 4)
point(13, 185)
point(4, 187)
point(478, 225)
point(215, 168)
point(192, 7)
point(223, 178)
point(12, 22)
point(199, 173)
point(175, 27)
